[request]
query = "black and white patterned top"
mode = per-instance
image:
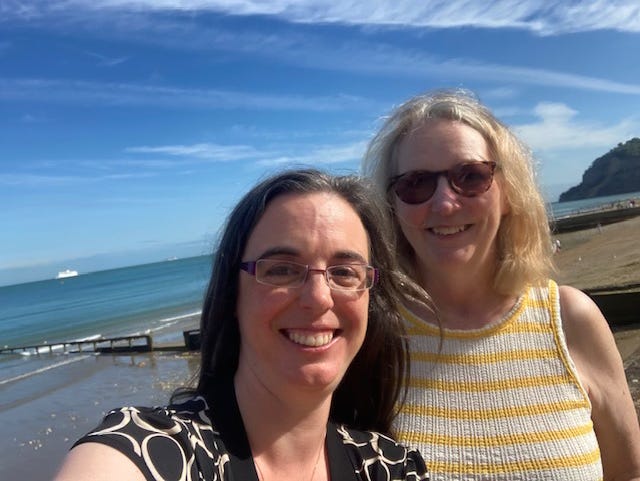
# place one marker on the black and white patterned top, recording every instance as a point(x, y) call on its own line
point(189, 441)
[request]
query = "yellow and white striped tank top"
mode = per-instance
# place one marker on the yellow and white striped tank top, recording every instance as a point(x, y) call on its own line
point(500, 403)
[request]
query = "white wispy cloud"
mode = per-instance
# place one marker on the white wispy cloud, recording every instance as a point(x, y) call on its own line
point(55, 180)
point(206, 151)
point(28, 118)
point(287, 154)
point(391, 61)
point(559, 128)
point(549, 17)
point(105, 61)
point(319, 155)
point(175, 158)
point(126, 94)
point(305, 49)
point(34, 180)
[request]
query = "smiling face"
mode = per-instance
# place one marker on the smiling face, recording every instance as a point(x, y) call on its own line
point(302, 338)
point(449, 231)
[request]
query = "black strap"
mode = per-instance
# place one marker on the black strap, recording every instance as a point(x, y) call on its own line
point(227, 420)
point(341, 467)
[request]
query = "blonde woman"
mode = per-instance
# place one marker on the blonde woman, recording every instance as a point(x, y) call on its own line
point(517, 377)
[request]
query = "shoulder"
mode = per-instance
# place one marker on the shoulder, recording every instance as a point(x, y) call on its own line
point(590, 342)
point(158, 439)
point(168, 420)
point(379, 457)
point(98, 462)
point(582, 320)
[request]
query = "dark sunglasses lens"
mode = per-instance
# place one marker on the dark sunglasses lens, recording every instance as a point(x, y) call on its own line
point(416, 187)
point(472, 179)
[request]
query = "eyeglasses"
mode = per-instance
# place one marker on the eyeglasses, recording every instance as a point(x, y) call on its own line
point(345, 277)
point(467, 178)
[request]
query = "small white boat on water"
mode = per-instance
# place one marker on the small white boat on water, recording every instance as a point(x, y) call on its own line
point(66, 273)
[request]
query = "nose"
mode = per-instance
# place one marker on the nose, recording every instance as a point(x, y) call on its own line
point(444, 200)
point(316, 293)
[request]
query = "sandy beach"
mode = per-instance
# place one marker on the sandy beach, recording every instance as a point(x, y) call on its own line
point(43, 415)
point(602, 258)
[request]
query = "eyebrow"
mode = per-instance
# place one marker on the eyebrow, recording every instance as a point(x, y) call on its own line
point(289, 251)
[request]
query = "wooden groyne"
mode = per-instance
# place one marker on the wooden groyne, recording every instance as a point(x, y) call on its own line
point(619, 306)
point(593, 218)
point(109, 345)
point(142, 343)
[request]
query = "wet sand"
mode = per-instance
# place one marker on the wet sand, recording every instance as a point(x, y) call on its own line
point(40, 429)
point(42, 415)
point(605, 258)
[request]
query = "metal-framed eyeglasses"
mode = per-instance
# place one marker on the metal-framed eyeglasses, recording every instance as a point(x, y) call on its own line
point(343, 277)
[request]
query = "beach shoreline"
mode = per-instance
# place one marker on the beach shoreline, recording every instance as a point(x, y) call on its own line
point(43, 419)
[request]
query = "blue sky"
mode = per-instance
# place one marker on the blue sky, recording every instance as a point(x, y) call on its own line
point(129, 128)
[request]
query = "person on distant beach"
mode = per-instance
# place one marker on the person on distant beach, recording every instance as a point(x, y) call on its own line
point(302, 357)
point(516, 377)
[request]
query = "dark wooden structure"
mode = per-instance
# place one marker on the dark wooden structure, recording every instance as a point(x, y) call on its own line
point(620, 307)
point(142, 343)
point(591, 219)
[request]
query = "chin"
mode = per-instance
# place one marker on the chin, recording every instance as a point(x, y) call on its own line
point(319, 379)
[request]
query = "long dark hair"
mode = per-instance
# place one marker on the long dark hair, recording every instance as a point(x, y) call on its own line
point(375, 383)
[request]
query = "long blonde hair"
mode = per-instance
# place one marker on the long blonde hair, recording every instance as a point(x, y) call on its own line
point(524, 240)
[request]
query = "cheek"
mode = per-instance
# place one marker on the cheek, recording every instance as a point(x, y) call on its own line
point(358, 314)
point(410, 216)
point(257, 305)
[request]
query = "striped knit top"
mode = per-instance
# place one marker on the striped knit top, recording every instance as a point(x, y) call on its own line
point(502, 402)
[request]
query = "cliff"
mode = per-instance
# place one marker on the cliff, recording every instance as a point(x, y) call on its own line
point(616, 172)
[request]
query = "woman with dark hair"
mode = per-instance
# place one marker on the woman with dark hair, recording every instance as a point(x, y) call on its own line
point(303, 360)
point(513, 377)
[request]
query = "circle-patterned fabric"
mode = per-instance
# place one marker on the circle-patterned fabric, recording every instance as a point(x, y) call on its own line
point(179, 442)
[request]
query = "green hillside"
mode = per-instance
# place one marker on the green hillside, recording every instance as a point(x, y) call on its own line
point(616, 172)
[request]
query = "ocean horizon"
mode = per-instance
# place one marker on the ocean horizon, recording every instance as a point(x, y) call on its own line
point(554, 209)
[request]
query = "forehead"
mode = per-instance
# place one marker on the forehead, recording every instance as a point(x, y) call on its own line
point(440, 143)
point(316, 224)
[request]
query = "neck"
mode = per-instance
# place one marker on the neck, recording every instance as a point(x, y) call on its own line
point(286, 438)
point(275, 473)
point(466, 301)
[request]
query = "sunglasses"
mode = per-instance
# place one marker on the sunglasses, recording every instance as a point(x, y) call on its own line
point(467, 178)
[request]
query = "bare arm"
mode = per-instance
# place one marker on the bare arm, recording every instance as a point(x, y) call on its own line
point(601, 372)
point(97, 462)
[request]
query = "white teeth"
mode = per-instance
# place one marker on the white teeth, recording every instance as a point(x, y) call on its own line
point(315, 340)
point(448, 230)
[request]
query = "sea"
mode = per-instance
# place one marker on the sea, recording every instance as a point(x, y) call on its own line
point(49, 399)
